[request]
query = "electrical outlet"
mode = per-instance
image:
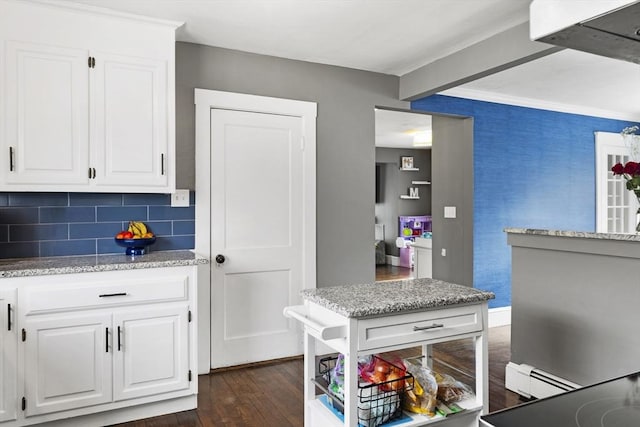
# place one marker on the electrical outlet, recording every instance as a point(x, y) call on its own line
point(180, 199)
point(443, 252)
point(449, 211)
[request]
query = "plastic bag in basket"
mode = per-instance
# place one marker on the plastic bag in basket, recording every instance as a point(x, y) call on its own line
point(451, 390)
point(422, 399)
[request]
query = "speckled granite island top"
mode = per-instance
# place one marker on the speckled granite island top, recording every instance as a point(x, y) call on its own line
point(24, 267)
point(391, 297)
point(578, 234)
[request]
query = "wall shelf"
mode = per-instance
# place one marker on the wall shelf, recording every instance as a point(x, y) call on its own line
point(421, 182)
point(404, 196)
point(410, 169)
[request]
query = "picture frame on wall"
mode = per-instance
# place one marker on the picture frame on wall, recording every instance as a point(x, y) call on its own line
point(407, 162)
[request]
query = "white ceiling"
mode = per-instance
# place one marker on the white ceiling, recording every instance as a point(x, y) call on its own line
point(398, 36)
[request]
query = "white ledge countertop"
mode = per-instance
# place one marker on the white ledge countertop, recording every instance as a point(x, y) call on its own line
point(24, 267)
point(392, 297)
point(577, 234)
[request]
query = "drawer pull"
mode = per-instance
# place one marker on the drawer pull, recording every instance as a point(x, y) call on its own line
point(425, 328)
point(119, 345)
point(118, 294)
point(106, 340)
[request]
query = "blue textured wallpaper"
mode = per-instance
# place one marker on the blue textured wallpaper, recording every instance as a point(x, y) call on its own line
point(532, 168)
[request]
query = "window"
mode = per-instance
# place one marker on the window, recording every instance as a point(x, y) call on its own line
point(615, 205)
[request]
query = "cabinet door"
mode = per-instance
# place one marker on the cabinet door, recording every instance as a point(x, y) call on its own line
point(67, 362)
point(8, 355)
point(129, 121)
point(47, 135)
point(152, 355)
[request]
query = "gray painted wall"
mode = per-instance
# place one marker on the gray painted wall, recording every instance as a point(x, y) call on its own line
point(575, 306)
point(395, 183)
point(452, 185)
point(345, 140)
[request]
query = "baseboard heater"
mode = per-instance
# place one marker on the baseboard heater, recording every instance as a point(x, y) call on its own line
point(530, 382)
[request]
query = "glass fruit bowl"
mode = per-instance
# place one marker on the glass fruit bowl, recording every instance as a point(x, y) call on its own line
point(136, 246)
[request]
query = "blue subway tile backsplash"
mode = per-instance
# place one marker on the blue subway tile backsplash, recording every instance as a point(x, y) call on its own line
point(67, 214)
point(62, 224)
point(95, 199)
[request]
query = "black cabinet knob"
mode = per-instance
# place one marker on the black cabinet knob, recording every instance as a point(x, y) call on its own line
point(220, 259)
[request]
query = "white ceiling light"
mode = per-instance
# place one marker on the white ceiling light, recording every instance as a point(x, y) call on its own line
point(423, 139)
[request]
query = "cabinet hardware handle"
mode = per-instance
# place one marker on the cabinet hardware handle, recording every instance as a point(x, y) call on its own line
point(89, 173)
point(106, 340)
point(11, 165)
point(8, 317)
point(118, 294)
point(424, 328)
point(94, 173)
point(162, 164)
point(93, 62)
point(118, 338)
point(89, 62)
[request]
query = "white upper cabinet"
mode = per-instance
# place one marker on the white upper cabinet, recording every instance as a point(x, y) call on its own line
point(90, 108)
point(129, 131)
point(47, 115)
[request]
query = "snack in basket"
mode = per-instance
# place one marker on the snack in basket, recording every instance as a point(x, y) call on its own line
point(451, 390)
point(422, 399)
point(379, 388)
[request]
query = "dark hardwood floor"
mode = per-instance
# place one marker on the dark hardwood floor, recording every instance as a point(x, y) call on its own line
point(392, 272)
point(271, 394)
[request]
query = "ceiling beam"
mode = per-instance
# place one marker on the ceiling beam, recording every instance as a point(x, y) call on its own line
point(497, 53)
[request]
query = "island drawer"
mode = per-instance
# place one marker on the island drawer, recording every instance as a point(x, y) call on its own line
point(420, 326)
point(95, 290)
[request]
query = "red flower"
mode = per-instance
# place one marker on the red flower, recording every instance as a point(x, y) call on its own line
point(617, 169)
point(631, 168)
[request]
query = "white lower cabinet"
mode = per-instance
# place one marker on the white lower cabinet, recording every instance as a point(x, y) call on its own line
point(67, 364)
point(8, 355)
point(151, 352)
point(102, 343)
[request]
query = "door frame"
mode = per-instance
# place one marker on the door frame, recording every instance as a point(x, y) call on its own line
point(205, 100)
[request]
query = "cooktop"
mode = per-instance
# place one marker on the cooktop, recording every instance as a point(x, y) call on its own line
point(613, 403)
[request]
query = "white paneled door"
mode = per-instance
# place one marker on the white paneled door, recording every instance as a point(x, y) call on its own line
point(256, 234)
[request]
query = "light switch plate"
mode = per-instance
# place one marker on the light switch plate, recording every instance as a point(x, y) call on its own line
point(180, 199)
point(449, 211)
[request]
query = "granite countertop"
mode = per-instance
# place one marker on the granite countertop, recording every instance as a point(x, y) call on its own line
point(393, 297)
point(24, 267)
point(579, 234)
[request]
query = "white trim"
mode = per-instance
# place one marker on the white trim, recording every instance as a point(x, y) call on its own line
point(205, 100)
point(499, 316)
point(539, 104)
point(85, 8)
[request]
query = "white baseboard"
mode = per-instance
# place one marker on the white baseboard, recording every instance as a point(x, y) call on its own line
point(500, 316)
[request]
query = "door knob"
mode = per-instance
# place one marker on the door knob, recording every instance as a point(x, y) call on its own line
point(220, 259)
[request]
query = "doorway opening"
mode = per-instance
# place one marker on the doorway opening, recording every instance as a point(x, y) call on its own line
point(403, 141)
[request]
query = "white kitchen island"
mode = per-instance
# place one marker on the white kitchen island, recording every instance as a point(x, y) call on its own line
point(364, 319)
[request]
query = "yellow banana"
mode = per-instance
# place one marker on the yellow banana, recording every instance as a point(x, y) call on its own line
point(138, 228)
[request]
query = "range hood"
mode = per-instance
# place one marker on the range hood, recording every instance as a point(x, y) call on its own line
point(604, 27)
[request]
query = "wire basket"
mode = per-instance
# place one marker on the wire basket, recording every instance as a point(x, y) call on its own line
point(377, 403)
